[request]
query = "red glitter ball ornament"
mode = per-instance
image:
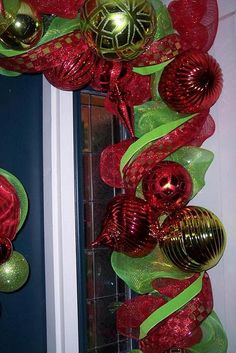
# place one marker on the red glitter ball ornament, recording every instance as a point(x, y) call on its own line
point(191, 83)
point(167, 187)
point(9, 209)
point(73, 73)
point(5, 249)
point(127, 227)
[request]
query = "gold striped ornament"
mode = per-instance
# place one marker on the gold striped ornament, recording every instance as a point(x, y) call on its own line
point(194, 239)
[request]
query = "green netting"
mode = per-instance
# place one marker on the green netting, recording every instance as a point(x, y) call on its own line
point(164, 23)
point(138, 273)
point(152, 115)
point(21, 195)
point(214, 338)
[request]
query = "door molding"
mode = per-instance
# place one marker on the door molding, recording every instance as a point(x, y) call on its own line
point(59, 221)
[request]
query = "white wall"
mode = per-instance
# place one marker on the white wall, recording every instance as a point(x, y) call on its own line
point(219, 194)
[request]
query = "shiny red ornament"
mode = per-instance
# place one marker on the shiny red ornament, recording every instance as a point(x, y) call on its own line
point(191, 83)
point(73, 73)
point(9, 209)
point(5, 249)
point(167, 187)
point(181, 329)
point(127, 227)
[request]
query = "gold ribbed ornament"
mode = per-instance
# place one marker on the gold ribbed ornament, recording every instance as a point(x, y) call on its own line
point(194, 239)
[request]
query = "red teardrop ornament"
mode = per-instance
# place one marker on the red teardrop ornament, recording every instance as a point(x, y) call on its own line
point(127, 227)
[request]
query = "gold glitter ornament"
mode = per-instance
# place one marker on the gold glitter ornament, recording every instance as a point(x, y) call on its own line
point(118, 29)
point(25, 31)
point(13, 273)
point(194, 239)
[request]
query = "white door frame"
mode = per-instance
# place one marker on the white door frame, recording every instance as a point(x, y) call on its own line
point(59, 221)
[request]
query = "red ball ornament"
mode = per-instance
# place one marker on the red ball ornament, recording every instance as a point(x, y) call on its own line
point(9, 209)
point(73, 73)
point(5, 249)
point(127, 227)
point(167, 187)
point(191, 83)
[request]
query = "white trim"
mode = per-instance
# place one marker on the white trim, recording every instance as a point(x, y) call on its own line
point(59, 221)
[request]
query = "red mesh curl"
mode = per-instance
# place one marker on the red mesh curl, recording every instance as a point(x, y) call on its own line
point(196, 22)
point(61, 8)
point(127, 227)
point(110, 163)
point(9, 209)
point(73, 73)
point(159, 150)
point(178, 330)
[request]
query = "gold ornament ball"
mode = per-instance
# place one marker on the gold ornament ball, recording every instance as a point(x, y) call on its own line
point(25, 31)
point(13, 273)
point(118, 29)
point(194, 239)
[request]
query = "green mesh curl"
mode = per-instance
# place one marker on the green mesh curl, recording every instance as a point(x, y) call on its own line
point(138, 273)
point(21, 195)
point(151, 115)
point(164, 23)
point(214, 337)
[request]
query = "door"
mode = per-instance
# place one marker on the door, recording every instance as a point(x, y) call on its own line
point(23, 313)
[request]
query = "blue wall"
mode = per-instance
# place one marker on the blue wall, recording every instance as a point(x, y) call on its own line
point(23, 316)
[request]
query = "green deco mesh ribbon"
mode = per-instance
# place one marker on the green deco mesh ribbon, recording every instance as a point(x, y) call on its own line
point(138, 273)
point(164, 23)
point(214, 339)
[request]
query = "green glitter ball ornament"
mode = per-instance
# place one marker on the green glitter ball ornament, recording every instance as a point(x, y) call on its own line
point(120, 29)
point(13, 273)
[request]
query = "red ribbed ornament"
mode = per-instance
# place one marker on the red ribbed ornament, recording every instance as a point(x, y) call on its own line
point(5, 249)
point(167, 187)
point(127, 227)
point(191, 83)
point(73, 73)
point(9, 209)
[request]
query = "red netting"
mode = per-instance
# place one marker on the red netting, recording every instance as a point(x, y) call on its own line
point(178, 330)
point(47, 55)
point(73, 73)
point(171, 287)
point(9, 209)
point(61, 8)
point(127, 227)
point(159, 51)
point(191, 83)
point(110, 163)
point(196, 22)
point(159, 150)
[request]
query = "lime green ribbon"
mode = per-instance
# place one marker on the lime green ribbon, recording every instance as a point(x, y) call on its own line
point(151, 136)
point(172, 306)
point(149, 70)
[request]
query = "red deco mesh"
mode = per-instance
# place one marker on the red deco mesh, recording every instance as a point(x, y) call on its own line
point(47, 55)
point(159, 150)
point(9, 209)
point(180, 330)
point(110, 163)
point(196, 22)
point(73, 73)
point(61, 8)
